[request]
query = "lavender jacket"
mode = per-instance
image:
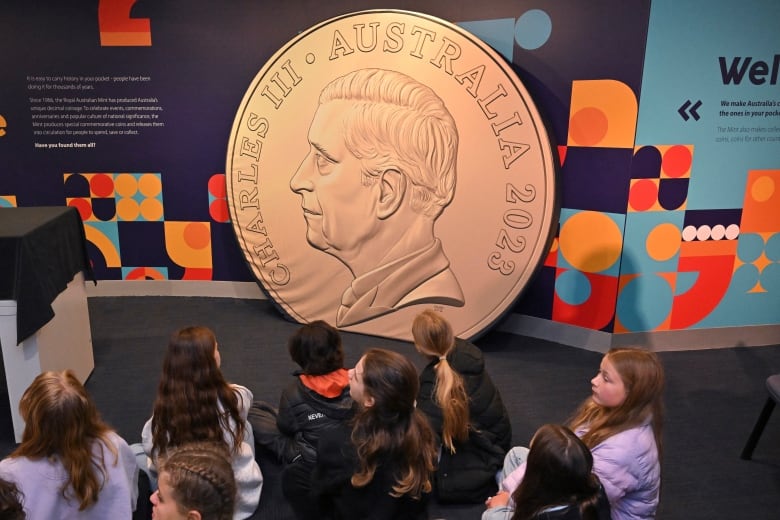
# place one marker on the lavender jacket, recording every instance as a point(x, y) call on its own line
point(627, 465)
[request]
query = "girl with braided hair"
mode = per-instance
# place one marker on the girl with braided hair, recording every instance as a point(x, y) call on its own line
point(196, 404)
point(465, 410)
point(196, 483)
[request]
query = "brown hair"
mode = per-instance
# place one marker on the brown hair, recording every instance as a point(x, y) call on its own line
point(434, 338)
point(643, 377)
point(61, 420)
point(558, 471)
point(10, 501)
point(392, 430)
point(201, 479)
point(316, 348)
point(191, 393)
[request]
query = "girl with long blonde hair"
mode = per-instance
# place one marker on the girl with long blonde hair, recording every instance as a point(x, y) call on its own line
point(465, 409)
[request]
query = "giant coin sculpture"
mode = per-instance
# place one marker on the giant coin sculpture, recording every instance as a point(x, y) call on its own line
point(384, 162)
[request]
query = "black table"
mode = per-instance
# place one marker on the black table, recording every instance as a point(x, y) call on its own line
point(41, 250)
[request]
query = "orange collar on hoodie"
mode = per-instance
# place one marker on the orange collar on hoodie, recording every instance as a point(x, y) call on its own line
point(327, 385)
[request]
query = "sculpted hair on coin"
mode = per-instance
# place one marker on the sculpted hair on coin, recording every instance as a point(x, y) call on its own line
point(398, 123)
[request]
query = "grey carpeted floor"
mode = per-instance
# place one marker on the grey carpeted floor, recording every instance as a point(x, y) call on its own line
point(713, 397)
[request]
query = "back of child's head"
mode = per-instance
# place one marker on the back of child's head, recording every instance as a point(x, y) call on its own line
point(433, 337)
point(10, 501)
point(392, 381)
point(316, 348)
point(559, 471)
point(201, 479)
point(392, 426)
point(62, 422)
point(191, 353)
point(59, 415)
point(559, 459)
point(194, 402)
point(432, 334)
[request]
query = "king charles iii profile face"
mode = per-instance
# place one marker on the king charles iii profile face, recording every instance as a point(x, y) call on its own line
point(381, 168)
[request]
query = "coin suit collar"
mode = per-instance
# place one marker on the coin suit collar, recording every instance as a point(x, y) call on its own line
point(402, 282)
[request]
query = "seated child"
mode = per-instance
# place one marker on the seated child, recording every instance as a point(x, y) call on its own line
point(195, 403)
point(317, 400)
point(70, 463)
point(559, 483)
point(621, 424)
point(196, 483)
point(465, 410)
point(380, 465)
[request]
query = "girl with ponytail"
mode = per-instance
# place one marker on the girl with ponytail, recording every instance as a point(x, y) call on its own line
point(465, 410)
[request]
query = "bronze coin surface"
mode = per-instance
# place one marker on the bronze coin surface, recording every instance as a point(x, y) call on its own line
point(384, 162)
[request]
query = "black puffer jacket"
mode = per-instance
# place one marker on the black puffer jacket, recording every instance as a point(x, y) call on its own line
point(304, 415)
point(469, 474)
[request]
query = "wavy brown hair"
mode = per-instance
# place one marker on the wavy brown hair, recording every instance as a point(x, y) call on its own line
point(642, 375)
point(10, 501)
point(392, 431)
point(201, 479)
point(434, 338)
point(62, 422)
point(194, 402)
point(558, 471)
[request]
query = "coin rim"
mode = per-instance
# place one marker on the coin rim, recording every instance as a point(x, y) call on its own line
point(550, 218)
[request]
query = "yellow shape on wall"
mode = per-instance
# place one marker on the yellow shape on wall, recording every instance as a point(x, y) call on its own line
point(189, 243)
point(602, 114)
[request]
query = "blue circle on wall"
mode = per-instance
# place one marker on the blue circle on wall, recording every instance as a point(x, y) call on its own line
point(749, 247)
point(533, 29)
point(772, 249)
point(573, 287)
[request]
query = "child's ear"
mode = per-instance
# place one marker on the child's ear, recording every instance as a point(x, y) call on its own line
point(194, 515)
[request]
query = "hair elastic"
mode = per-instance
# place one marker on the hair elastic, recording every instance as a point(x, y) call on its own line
point(442, 358)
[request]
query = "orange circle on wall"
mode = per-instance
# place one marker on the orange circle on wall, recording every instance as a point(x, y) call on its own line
point(602, 248)
point(762, 189)
point(196, 235)
point(663, 242)
point(150, 184)
point(588, 126)
point(125, 185)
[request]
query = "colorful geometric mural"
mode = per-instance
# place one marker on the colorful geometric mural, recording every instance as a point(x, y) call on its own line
point(670, 210)
point(125, 225)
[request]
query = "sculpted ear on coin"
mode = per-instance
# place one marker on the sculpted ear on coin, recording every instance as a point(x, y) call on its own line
point(392, 188)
